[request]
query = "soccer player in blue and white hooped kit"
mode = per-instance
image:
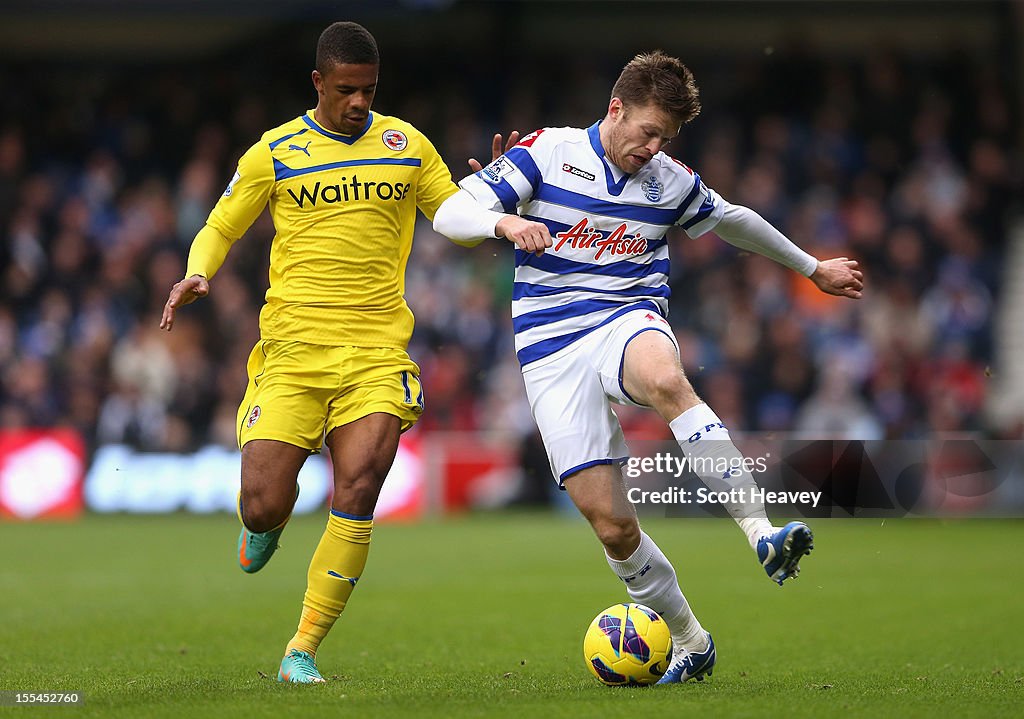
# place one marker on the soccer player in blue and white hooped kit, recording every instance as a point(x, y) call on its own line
point(589, 318)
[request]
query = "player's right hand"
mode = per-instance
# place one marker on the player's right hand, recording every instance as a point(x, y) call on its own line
point(513, 138)
point(528, 235)
point(185, 292)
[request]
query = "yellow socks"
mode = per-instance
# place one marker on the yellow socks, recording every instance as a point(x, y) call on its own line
point(336, 566)
point(313, 627)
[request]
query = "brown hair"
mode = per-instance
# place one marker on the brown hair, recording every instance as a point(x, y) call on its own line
point(661, 79)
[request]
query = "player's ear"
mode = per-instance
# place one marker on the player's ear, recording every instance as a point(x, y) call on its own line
point(318, 82)
point(614, 109)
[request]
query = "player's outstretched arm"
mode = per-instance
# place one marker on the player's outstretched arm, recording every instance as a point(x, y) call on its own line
point(464, 221)
point(513, 138)
point(183, 293)
point(742, 227)
point(839, 276)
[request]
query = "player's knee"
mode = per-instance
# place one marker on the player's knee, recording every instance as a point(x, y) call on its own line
point(358, 495)
point(620, 537)
point(262, 511)
point(670, 390)
point(668, 385)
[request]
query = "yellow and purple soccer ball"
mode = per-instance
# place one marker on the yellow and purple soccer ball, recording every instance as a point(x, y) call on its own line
point(627, 644)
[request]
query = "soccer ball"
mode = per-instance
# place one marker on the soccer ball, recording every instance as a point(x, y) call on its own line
point(627, 644)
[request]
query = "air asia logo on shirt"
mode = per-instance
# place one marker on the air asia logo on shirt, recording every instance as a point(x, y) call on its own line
point(497, 170)
point(652, 188)
point(395, 139)
point(582, 237)
point(566, 167)
point(349, 191)
point(253, 416)
point(231, 185)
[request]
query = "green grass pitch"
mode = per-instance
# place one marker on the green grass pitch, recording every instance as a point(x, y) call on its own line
point(484, 616)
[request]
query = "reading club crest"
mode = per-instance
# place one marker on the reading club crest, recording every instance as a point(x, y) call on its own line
point(651, 188)
point(395, 139)
point(253, 416)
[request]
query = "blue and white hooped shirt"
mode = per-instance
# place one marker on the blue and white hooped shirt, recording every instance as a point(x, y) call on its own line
point(609, 254)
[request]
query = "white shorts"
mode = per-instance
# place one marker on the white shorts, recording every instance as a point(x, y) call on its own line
point(569, 395)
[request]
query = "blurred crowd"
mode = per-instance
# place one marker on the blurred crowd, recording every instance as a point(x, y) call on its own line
point(910, 166)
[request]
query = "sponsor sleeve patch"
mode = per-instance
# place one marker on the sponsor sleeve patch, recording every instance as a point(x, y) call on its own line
point(497, 170)
point(231, 185)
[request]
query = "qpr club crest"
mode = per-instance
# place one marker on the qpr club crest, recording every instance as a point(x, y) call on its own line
point(651, 188)
point(395, 140)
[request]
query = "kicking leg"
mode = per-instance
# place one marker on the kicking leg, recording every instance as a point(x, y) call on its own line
point(652, 375)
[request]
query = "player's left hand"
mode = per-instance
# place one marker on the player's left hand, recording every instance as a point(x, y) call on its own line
point(496, 151)
point(839, 276)
point(183, 293)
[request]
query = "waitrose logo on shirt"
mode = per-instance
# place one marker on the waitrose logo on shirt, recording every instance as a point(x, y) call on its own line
point(349, 190)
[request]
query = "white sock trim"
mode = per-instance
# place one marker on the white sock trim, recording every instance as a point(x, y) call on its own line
point(635, 563)
point(693, 420)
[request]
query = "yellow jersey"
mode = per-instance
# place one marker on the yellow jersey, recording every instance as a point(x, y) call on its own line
point(344, 210)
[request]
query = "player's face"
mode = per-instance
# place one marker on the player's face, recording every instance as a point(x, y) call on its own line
point(346, 93)
point(636, 134)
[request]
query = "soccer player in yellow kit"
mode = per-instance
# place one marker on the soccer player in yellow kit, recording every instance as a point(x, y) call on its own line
point(343, 185)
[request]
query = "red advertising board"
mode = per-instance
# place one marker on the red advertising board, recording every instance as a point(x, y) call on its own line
point(41, 472)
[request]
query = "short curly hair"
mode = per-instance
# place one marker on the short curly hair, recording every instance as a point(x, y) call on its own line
point(661, 79)
point(345, 43)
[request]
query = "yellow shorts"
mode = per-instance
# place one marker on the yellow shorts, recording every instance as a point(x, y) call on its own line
point(299, 392)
